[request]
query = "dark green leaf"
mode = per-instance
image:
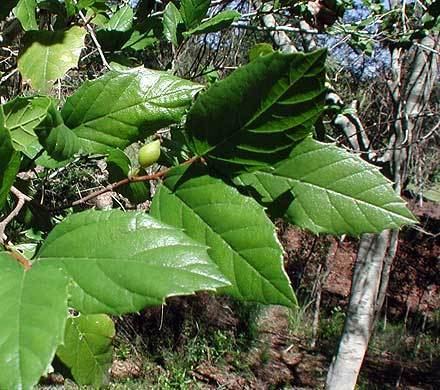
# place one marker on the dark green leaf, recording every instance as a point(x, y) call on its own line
point(6, 7)
point(242, 240)
point(172, 24)
point(193, 11)
point(334, 191)
point(58, 140)
point(122, 262)
point(119, 167)
point(32, 316)
point(145, 35)
point(9, 162)
point(87, 349)
point(122, 107)
point(279, 97)
point(218, 22)
point(121, 20)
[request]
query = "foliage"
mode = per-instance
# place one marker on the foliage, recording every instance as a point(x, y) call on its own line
point(236, 147)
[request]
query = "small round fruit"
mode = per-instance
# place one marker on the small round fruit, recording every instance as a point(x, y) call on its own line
point(149, 154)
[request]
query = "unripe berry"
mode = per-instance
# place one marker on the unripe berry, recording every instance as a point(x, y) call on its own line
point(149, 154)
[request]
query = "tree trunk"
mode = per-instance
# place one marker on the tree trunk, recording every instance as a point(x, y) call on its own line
point(344, 369)
point(374, 260)
point(376, 252)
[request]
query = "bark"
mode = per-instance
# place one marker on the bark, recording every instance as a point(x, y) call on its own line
point(375, 258)
point(376, 252)
point(344, 369)
point(279, 38)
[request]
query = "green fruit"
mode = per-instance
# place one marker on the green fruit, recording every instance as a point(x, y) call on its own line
point(149, 154)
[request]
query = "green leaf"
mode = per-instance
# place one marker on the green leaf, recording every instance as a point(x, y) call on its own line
point(334, 191)
point(121, 20)
point(242, 240)
point(48, 55)
point(9, 163)
point(48, 162)
point(22, 115)
point(122, 107)
point(193, 11)
point(144, 35)
point(33, 314)
point(25, 13)
point(218, 22)
point(70, 8)
point(122, 262)
point(279, 96)
point(172, 24)
point(260, 49)
point(119, 167)
point(87, 349)
point(58, 140)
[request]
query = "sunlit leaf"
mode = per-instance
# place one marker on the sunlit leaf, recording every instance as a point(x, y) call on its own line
point(119, 108)
point(47, 55)
point(121, 262)
point(32, 316)
point(242, 240)
point(334, 191)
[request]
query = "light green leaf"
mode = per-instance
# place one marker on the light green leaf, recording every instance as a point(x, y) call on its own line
point(9, 162)
point(193, 11)
point(121, 20)
point(122, 107)
point(241, 238)
point(25, 13)
point(260, 49)
point(22, 115)
point(32, 316)
point(87, 349)
point(122, 262)
point(218, 22)
point(172, 24)
point(48, 55)
point(48, 162)
point(280, 96)
point(119, 167)
point(334, 191)
point(432, 193)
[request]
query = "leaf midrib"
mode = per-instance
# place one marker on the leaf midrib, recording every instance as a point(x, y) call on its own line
point(320, 188)
point(261, 112)
point(229, 246)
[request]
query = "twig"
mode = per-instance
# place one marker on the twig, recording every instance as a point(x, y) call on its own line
point(120, 183)
point(19, 257)
point(273, 28)
point(22, 199)
point(10, 74)
point(94, 39)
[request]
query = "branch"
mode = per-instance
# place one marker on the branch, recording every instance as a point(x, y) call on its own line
point(272, 27)
point(22, 199)
point(94, 39)
point(19, 257)
point(120, 183)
